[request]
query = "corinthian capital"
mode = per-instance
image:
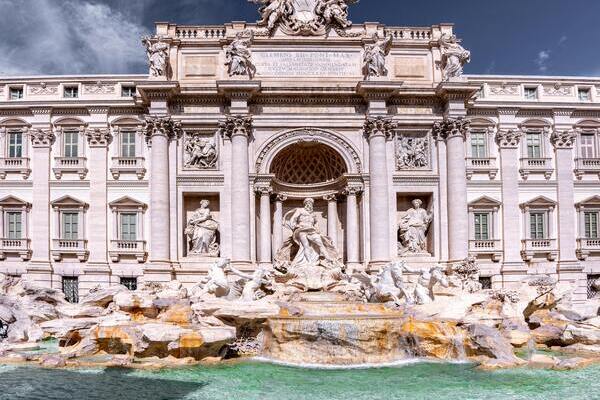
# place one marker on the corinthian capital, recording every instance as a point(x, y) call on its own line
point(236, 125)
point(162, 126)
point(509, 138)
point(98, 137)
point(379, 126)
point(563, 139)
point(451, 127)
point(42, 137)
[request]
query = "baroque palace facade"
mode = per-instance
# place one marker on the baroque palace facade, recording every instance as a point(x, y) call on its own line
point(102, 178)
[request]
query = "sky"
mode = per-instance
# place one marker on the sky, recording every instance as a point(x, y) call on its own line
point(517, 37)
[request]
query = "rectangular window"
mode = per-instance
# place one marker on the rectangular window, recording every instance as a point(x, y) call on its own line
point(588, 145)
point(15, 225)
point(70, 226)
point(128, 226)
point(537, 222)
point(129, 283)
point(15, 145)
point(531, 93)
point(592, 291)
point(584, 95)
point(71, 92)
point(70, 287)
point(486, 282)
point(128, 144)
point(534, 145)
point(128, 91)
point(16, 93)
point(478, 145)
point(482, 226)
point(591, 225)
point(71, 144)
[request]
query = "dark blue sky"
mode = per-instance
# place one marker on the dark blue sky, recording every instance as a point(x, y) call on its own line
point(542, 37)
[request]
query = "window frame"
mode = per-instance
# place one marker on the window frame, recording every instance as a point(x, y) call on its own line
point(62, 227)
point(131, 91)
point(71, 133)
point(8, 222)
point(545, 224)
point(74, 299)
point(483, 137)
point(593, 145)
point(10, 146)
point(531, 89)
point(135, 219)
point(131, 279)
point(131, 143)
point(74, 94)
point(540, 135)
point(588, 233)
point(588, 92)
point(18, 89)
point(477, 227)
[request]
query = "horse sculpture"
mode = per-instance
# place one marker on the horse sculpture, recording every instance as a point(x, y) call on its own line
point(423, 293)
point(385, 286)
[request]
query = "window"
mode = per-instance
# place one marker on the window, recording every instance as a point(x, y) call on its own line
point(15, 225)
point(70, 287)
point(592, 291)
point(591, 225)
point(531, 93)
point(15, 145)
point(70, 226)
point(16, 93)
point(588, 145)
point(482, 226)
point(128, 144)
point(537, 221)
point(129, 283)
point(71, 144)
point(534, 145)
point(584, 95)
point(128, 223)
point(478, 145)
point(71, 92)
point(486, 282)
point(128, 91)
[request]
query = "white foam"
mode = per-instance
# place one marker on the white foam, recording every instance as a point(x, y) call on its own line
point(394, 364)
point(7, 368)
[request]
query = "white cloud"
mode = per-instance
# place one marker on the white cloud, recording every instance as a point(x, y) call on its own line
point(69, 37)
point(542, 60)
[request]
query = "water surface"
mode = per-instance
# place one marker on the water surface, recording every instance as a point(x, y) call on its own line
point(262, 381)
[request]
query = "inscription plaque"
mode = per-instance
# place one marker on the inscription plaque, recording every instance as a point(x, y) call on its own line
point(307, 63)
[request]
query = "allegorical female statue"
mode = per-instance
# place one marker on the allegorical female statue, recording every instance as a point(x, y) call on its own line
point(238, 56)
point(202, 231)
point(158, 56)
point(413, 229)
point(454, 56)
point(374, 58)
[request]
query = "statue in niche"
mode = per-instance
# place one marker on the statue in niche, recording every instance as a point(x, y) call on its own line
point(413, 153)
point(413, 229)
point(374, 58)
point(202, 231)
point(238, 56)
point(454, 56)
point(158, 56)
point(200, 153)
point(273, 11)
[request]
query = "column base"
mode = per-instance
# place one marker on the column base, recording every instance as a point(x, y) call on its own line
point(569, 266)
point(513, 268)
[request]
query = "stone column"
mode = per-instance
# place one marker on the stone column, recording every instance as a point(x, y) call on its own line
point(453, 130)
point(332, 218)
point(160, 131)
point(508, 143)
point(278, 223)
point(352, 229)
point(39, 267)
point(238, 129)
point(97, 267)
point(378, 130)
point(569, 268)
point(265, 224)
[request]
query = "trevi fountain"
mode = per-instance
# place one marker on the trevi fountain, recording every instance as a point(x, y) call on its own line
point(314, 315)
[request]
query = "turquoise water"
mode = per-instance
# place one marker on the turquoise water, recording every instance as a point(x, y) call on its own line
point(261, 381)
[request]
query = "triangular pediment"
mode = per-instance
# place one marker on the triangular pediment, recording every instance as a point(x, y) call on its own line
point(540, 201)
point(68, 201)
point(127, 202)
point(485, 201)
point(12, 201)
point(593, 201)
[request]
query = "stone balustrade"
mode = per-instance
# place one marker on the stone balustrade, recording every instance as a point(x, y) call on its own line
point(128, 165)
point(587, 166)
point(536, 166)
point(491, 247)
point(66, 165)
point(19, 165)
point(532, 247)
point(482, 165)
point(586, 247)
point(70, 247)
point(128, 248)
point(22, 247)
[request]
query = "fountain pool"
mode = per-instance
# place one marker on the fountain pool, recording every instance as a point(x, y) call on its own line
point(264, 381)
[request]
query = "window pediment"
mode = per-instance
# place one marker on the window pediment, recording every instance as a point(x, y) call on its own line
point(539, 202)
point(593, 201)
point(68, 202)
point(12, 201)
point(70, 122)
point(127, 202)
point(485, 202)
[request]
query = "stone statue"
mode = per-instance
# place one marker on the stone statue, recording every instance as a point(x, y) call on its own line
point(158, 56)
point(454, 56)
point(202, 231)
point(387, 285)
point(273, 11)
point(467, 272)
point(428, 278)
point(238, 56)
point(374, 58)
point(413, 229)
point(255, 284)
point(215, 284)
point(200, 153)
point(412, 153)
point(335, 12)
